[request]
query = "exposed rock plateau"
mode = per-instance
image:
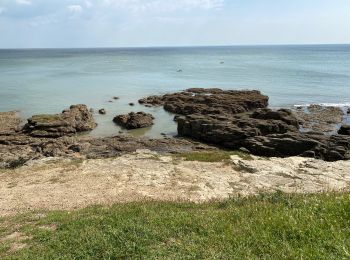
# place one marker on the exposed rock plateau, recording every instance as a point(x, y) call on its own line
point(241, 119)
point(61, 184)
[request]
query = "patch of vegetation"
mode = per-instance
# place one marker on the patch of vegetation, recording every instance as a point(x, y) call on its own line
point(45, 118)
point(275, 226)
point(214, 156)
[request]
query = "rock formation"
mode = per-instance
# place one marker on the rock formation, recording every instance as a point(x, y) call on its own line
point(134, 120)
point(241, 120)
point(208, 101)
point(71, 121)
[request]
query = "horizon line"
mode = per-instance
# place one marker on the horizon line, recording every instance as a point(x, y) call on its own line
point(178, 46)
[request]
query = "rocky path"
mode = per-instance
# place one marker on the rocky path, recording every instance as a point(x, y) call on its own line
point(55, 184)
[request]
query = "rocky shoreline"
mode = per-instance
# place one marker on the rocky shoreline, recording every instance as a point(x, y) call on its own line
point(206, 118)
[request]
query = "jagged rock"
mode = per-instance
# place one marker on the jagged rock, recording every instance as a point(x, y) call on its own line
point(102, 111)
point(232, 131)
point(209, 101)
point(284, 115)
point(71, 121)
point(134, 120)
point(344, 130)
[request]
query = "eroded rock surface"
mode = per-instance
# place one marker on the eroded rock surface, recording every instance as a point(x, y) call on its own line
point(17, 149)
point(60, 184)
point(241, 119)
point(76, 119)
point(209, 101)
point(134, 120)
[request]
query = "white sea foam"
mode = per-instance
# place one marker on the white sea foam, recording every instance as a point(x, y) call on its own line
point(324, 105)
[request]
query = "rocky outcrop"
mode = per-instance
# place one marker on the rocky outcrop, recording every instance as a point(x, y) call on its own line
point(15, 150)
point(134, 120)
point(76, 119)
point(209, 101)
point(241, 120)
point(270, 135)
point(231, 132)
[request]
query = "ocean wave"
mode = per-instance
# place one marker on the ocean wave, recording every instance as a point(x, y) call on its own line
point(324, 105)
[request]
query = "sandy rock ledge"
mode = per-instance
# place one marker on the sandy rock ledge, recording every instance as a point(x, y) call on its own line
point(53, 183)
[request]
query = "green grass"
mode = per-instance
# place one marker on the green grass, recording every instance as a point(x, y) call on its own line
point(276, 226)
point(215, 156)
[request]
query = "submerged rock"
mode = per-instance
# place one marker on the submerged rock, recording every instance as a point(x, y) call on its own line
point(71, 121)
point(320, 118)
point(134, 120)
point(102, 111)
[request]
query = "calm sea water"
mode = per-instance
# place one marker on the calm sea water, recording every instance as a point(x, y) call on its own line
point(49, 80)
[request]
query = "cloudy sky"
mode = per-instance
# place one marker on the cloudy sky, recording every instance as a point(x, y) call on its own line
point(117, 23)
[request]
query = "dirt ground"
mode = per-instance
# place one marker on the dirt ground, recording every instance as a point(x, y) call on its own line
point(57, 184)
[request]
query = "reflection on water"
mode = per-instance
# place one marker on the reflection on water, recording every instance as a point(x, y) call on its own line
point(163, 124)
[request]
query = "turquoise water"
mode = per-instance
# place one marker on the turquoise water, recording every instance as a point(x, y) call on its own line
point(47, 81)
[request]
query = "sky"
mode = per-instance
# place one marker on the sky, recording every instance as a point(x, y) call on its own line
point(138, 23)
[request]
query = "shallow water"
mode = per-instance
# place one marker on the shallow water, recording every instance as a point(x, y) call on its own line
point(47, 81)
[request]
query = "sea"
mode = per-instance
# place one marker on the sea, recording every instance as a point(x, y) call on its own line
point(37, 81)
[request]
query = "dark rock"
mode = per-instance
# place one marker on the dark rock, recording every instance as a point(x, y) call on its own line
point(73, 120)
point(284, 115)
point(102, 111)
point(134, 120)
point(348, 112)
point(115, 98)
point(344, 130)
point(232, 131)
point(131, 104)
point(208, 101)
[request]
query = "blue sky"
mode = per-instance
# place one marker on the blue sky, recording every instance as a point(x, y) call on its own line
point(118, 23)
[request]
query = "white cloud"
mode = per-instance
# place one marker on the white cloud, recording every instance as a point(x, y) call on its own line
point(164, 5)
point(24, 2)
point(75, 8)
